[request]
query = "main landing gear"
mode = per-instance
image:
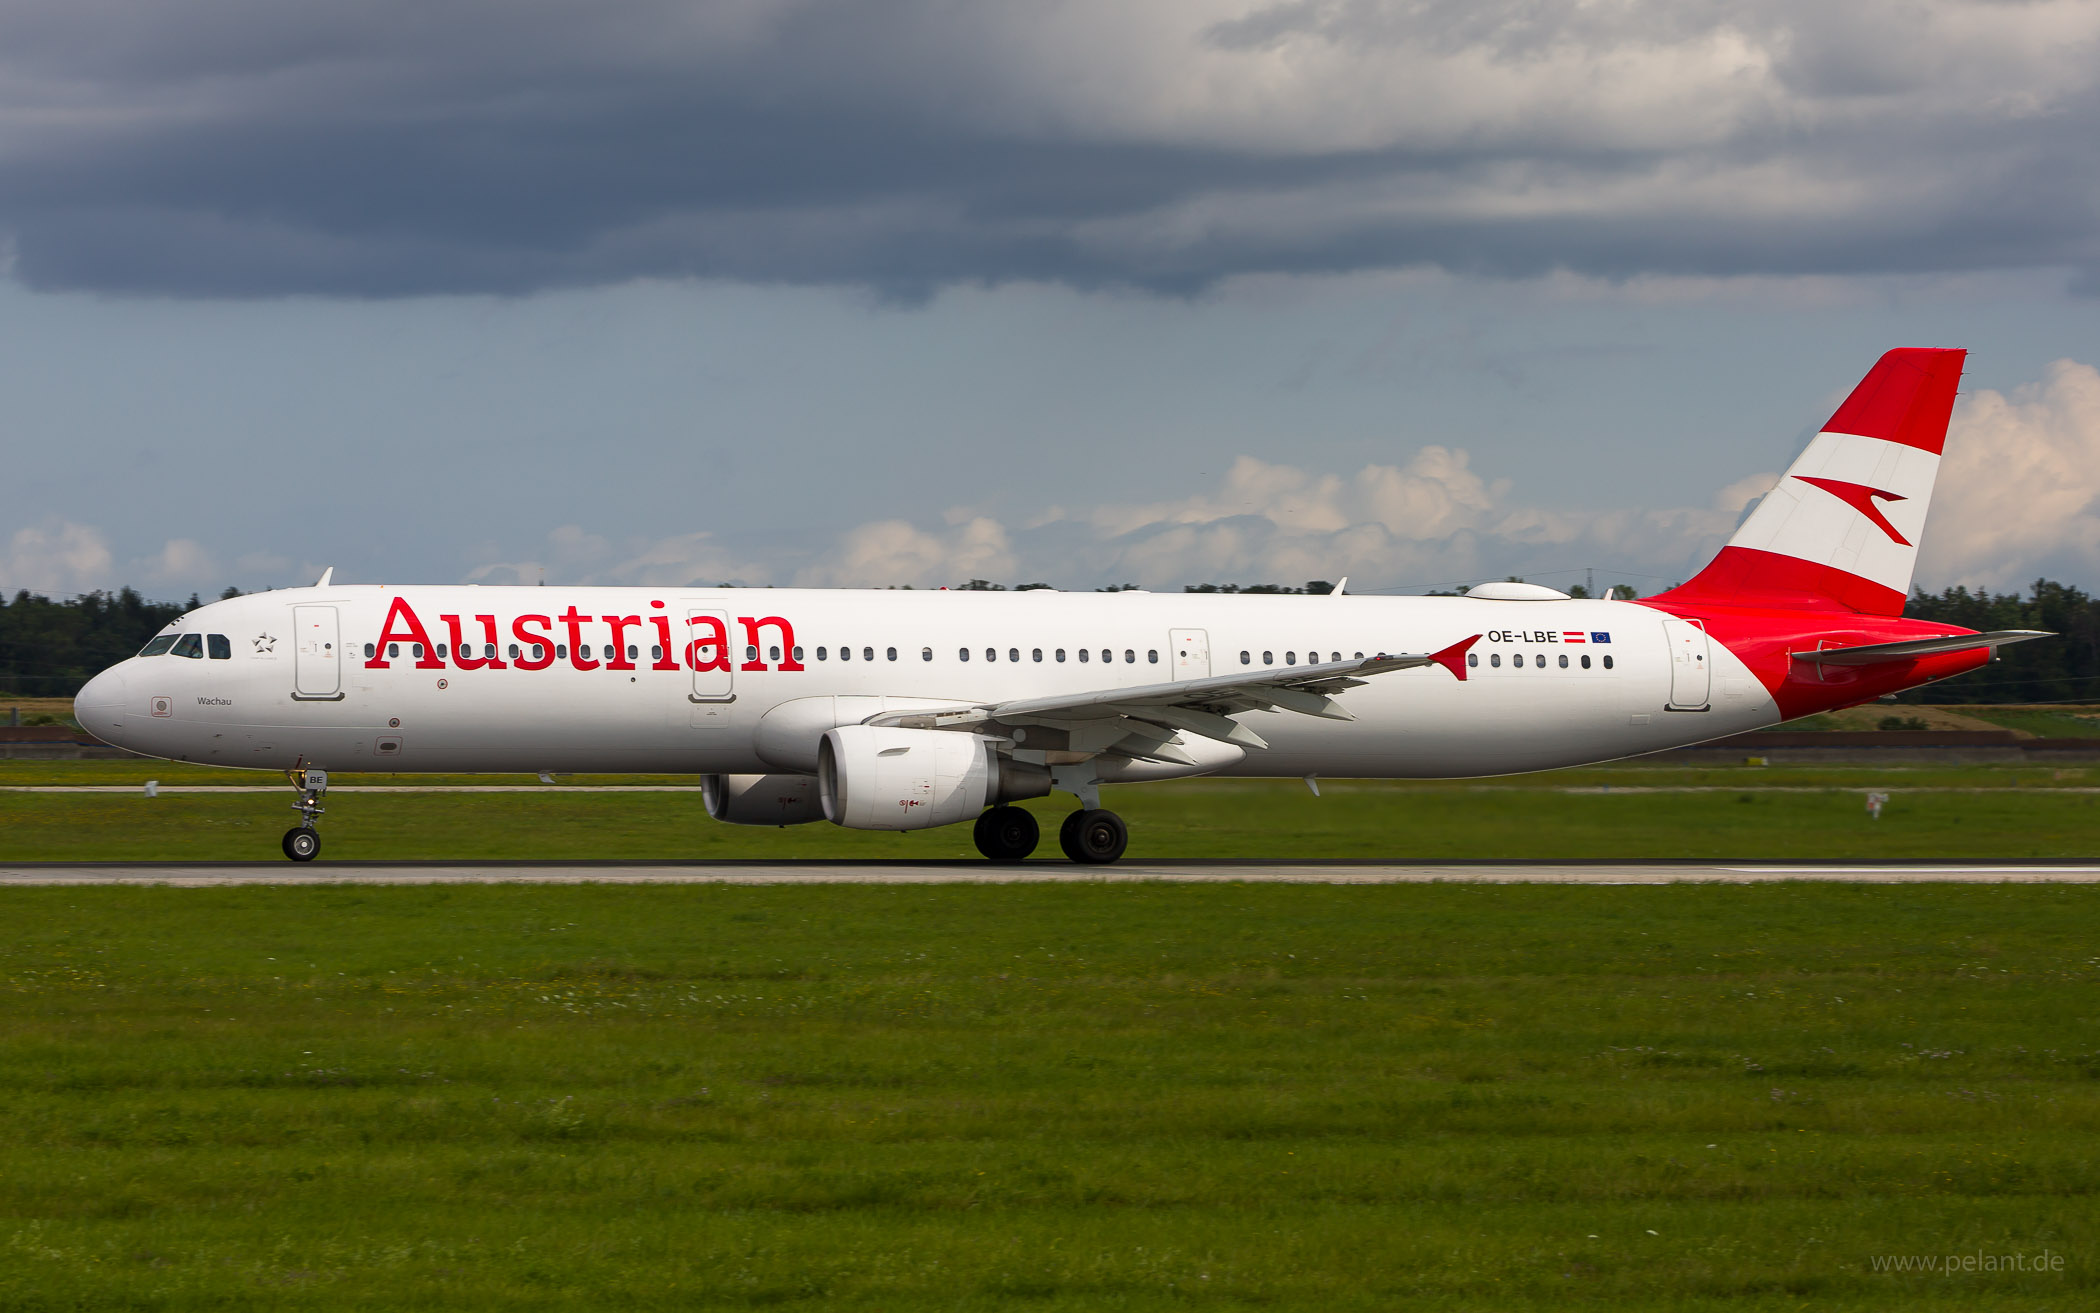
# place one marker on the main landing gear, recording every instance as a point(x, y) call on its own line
point(1092, 835)
point(303, 842)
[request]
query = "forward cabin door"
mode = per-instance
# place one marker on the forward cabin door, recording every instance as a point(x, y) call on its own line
point(1191, 649)
point(1690, 679)
point(317, 657)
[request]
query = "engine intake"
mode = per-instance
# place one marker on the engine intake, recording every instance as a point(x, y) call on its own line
point(880, 778)
point(762, 799)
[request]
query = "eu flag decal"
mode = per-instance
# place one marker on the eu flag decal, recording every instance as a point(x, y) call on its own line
point(1600, 638)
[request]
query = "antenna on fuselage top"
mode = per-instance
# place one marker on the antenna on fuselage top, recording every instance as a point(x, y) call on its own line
point(326, 575)
point(1340, 587)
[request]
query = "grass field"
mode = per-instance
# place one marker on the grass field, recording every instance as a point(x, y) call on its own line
point(1097, 1096)
point(1633, 811)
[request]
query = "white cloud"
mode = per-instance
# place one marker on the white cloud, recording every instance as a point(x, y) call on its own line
point(57, 558)
point(897, 552)
point(2019, 487)
point(181, 562)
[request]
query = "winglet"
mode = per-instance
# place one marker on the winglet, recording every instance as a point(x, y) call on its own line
point(1453, 658)
point(326, 575)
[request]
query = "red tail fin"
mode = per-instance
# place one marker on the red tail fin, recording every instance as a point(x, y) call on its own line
point(1840, 531)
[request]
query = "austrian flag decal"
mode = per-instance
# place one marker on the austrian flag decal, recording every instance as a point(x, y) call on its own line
point(1573, 636)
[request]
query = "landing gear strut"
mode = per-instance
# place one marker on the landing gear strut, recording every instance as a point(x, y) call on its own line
point(1007, 834)
point(302, 842)
point(1094, 835)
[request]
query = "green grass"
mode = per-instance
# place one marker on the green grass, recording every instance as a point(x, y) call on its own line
point(1097, 1096)
point(1745, 813)
point(2043, 722)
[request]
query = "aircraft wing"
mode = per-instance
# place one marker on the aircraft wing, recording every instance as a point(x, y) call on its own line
point(1873, 654)
point(1142, 721)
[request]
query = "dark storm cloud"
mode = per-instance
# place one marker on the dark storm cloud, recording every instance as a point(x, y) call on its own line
point(233, 147)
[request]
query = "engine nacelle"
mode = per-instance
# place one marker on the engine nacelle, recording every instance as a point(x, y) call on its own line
point(878, 778)
point(762, 799)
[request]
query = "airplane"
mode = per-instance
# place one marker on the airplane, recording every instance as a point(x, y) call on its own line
point(906, 710)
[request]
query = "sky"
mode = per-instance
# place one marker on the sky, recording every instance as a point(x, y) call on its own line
point(894, 292)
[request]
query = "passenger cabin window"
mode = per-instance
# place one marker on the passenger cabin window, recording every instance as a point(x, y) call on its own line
point(166, 641)
point(1084, 656)
point(1129, 657)
point(845, 654)
point(867, 654)
point(1268, 658)
point(962, 654)
point(1607, 662)
point(773, 652)
point(1038, 653)
point(539, 651)
point(370, 651)
point(393, 649)
point(1290, 658)
point(631, 652)
point(892, 653)
point(821, 654)
point(1060, 654)
point(189, 645)
point(1473, 659)
point(1563, 661)
point(1517, 659)
point(925, 654)
point(513, 651)
point(656, 652)
point(416, 650)
point(1014, 654)
point(1585, 661)
point(219, 646)
point(488, 651)
point(1495, 659)
point(750, 653)
point(1246, 658)
point(1107, 655)
point(561, 652)
point(991, 654)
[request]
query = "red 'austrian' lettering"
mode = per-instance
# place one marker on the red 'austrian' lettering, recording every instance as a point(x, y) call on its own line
point(708, 647)
point(787, 641)
point(411, 631)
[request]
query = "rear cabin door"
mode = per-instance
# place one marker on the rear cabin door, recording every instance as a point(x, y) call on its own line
point(1191, 648)
point(317, 656)
point(1691, 681)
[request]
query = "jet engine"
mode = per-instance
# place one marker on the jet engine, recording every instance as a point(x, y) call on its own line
point(879, 778)
point(762, 799)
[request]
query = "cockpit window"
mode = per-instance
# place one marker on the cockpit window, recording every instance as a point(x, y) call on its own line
point(158, 645)
point(220, 646)
point(189, 645)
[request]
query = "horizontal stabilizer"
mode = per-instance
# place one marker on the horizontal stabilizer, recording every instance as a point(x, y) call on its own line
point(1874, 654)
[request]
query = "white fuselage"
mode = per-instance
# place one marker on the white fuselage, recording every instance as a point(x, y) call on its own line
point(298, 686)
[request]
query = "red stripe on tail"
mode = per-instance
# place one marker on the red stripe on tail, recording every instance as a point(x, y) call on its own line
point(1905, 398)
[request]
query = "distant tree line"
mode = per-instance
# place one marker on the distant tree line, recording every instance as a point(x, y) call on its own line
point(50, 648)
point(2065, 668)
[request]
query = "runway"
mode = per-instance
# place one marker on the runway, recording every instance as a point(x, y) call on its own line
point(199, 874)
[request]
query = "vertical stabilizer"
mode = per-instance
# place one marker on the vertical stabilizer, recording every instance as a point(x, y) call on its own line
point(1841, 529)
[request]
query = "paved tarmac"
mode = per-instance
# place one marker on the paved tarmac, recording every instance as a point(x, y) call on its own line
point(1032, 872)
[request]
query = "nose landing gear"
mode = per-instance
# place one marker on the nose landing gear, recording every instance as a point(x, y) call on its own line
point(302, 842)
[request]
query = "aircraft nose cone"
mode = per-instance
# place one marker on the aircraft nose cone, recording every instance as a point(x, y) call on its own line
point(99, 705)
